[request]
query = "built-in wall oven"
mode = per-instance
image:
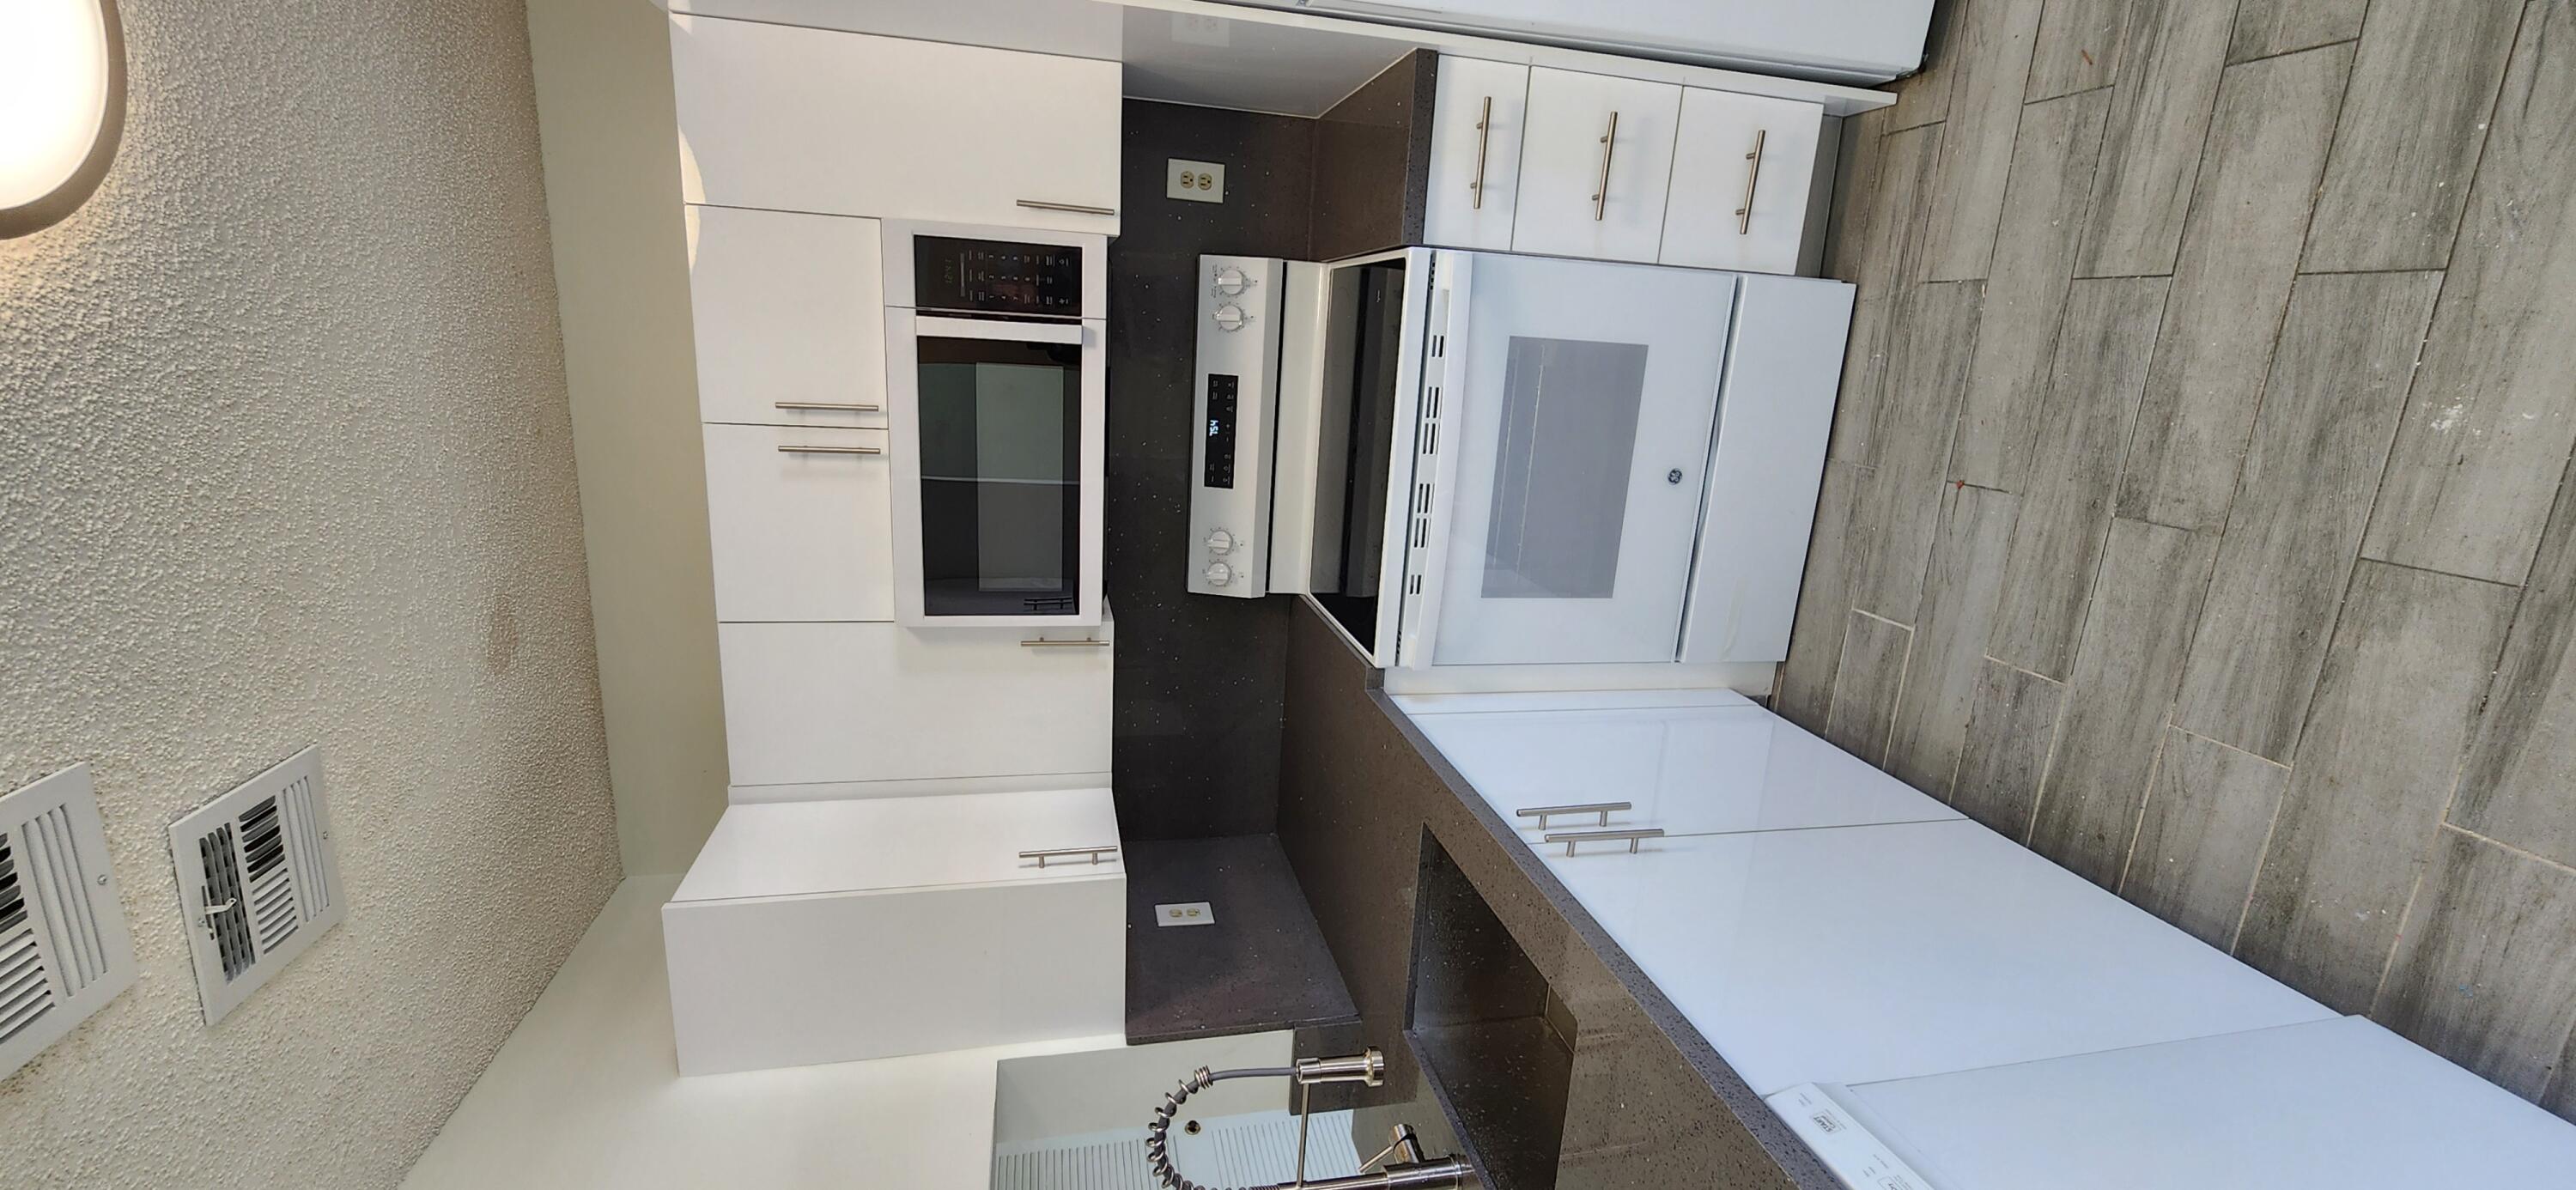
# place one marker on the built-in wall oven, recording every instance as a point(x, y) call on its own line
point(995, 341)
point(1491, 459)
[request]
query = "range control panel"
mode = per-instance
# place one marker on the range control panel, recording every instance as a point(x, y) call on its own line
point(1237, 401)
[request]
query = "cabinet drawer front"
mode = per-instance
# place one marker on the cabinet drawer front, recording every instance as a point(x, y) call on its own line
point(1476, 124)
point(789, 317)
point(798, 524)
point(794, 119)
point(1734, 147)
point(1584, 191)
point(877, 702)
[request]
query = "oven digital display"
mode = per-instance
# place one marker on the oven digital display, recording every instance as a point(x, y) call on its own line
point(1220, 431)
point(996, 276)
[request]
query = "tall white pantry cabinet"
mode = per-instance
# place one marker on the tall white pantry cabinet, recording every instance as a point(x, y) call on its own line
point(795, 144)
point(874, 886)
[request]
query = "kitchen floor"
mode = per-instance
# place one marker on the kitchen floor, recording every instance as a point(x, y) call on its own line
point(2195, 512)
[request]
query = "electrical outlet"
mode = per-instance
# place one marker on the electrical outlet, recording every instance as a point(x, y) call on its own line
point(1194, 181)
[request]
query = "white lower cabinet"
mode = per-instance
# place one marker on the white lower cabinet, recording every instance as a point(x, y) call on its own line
point(1742, 166)
point(1595, 163)
point(837, 931)
point(814, 703)
point(798, 523)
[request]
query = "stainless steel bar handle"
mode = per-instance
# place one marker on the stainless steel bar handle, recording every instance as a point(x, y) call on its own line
point(833, 405)
point(1570, 838)
point(1070, 207)
point(1042, 855)
point(795, 449)
point(1484, 129)
point(1543, 813)
point(1609, 145)
point(1752, 178)
point(1045, 642)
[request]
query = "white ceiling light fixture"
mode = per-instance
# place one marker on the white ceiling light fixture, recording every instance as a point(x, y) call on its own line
point(62, 107)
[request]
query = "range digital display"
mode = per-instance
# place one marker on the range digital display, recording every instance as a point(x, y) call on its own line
point(1219, 471)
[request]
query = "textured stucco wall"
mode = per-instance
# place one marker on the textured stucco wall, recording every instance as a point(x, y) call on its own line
point(285, 458)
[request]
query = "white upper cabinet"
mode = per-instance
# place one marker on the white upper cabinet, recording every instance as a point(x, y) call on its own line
point(790, 317)
point(791, 119)
point(1595, 162)
point(1741, 171)
point(800, 520)
point(1476, 122)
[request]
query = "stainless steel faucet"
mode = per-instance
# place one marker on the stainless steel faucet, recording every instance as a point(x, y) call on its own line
point(1407, 1168)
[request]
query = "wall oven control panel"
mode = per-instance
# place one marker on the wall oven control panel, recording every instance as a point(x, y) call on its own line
point(1237, 398)
point(951, 273)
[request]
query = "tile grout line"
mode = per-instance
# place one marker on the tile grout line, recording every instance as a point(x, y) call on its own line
point(2388, 963)
point(2510, 849)
point(2307, 237)
point(2029, 438)
point(1904, 667)
point(2137, 827)
point(2210, 739)
point(2262, 859)
point(2200, 163)
point(2047, 765)
point(2354, 40)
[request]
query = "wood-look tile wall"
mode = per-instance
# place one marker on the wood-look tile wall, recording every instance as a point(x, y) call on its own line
point(2197, 507)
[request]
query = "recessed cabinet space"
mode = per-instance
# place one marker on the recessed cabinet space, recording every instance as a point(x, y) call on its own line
point(790, 317)
point(1742, 167)
point(1596, 159)
point(799, 523)
point(830, 703)
point(1477, 119)
point(792, 119)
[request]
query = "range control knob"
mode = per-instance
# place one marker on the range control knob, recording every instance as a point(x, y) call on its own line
point(1219, 574)
point(1230, 317)
point(1220, 542)
point(1229, 280)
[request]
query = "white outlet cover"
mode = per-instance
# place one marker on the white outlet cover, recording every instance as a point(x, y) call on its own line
point(1186, 913)
point(1194, 181)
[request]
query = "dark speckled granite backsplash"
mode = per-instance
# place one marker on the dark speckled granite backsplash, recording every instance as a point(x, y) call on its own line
point(1196, 736)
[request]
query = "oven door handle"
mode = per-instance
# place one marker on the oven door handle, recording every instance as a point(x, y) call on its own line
point(997, 329)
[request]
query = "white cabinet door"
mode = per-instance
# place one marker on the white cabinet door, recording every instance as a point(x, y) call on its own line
point(1595, 162)
point(798, 523)
point(1476, 122)
point(789, 312)
point(1741, 172)
point(813, 703)
point(783, 118)
point(1576, 399)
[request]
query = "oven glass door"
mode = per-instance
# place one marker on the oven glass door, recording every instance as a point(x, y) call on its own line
point(1578, 400)
point(997, 442)
point(1368, 403)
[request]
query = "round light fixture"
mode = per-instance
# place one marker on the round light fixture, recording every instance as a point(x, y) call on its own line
point(62, 106)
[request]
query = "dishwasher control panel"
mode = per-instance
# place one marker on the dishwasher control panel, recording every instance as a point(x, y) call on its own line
point(1861, 1160)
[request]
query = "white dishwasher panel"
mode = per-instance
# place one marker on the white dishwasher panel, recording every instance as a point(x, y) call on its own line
point(1858, 954)
point(2329, 1105)
point(1687, 770)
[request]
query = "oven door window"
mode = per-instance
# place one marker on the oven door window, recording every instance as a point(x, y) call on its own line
point(1001, 477)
